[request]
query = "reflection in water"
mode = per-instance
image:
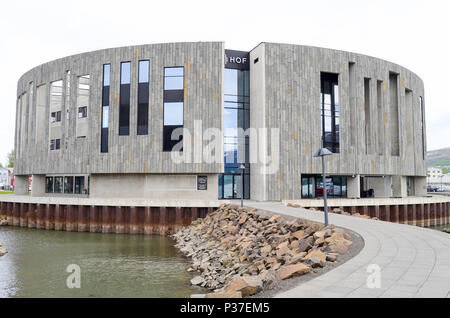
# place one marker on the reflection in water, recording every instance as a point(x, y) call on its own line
point(112, 265)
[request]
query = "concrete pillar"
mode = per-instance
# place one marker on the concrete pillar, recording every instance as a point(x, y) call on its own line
point(420, 186)
point(353, 187)
point(21, 185)
point(399, 189)
point(38, 185)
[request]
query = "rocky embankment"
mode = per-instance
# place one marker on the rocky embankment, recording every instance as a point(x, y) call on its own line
point(239, 252)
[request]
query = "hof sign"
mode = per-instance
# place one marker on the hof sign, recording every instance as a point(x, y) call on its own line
point(237, 60)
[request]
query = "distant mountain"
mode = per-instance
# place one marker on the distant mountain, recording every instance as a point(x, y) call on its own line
point(439, 157)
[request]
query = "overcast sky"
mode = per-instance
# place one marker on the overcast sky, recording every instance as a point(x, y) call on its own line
point(411, 33)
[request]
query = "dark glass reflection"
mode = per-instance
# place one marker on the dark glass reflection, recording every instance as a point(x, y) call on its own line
point(236, 115)
point(330, 111)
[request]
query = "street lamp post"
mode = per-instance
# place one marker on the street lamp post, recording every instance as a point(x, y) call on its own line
point(322, 153)
point(242, 167)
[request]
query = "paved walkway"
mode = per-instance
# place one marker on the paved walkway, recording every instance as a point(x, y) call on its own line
point(414, 261)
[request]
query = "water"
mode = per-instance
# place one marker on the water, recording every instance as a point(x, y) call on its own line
point(112, 265)
point(440, 227)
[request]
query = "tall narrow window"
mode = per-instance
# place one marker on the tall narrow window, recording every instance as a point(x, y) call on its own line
point(380, 111)
point(367, 117)
point(124, 106)
point(105, 108)
point(422, 125)
point(68, 90)
point(173, 107)
point(393, 114)
point(143, 95)
point(330, 111)
point(83, 96)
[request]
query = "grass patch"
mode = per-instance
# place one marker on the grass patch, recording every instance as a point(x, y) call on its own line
point(6, 192)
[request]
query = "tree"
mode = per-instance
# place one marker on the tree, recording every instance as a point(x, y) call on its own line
point(10, 159)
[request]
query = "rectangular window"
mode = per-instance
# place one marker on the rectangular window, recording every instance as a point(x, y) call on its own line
point(143, 97)
point(68, 184)
point(79, 185)
point(58, 184)
point(124, 105)
point(55, 117)
point(105, 108)
point(367, 117)
point(48, 184)
point(173, 108)
point(82, 112)
point(422, 125)
point(380, 111)
point(330, 111)
point(55, 144)
point(393, 114)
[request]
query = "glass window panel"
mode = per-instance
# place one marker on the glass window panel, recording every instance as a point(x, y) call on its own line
point(144, 71)
point(105, 114)
point(173, 114)
point(173, 83)
point(68, 184)
point(79, 185)
point(125, 75)
point(231, 82)
point(49, 184)
point(174, 71)
point(228, 186)
point(58, 184)
point(106, 74)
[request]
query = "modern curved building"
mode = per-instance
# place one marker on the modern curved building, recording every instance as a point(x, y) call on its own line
point(190, 120)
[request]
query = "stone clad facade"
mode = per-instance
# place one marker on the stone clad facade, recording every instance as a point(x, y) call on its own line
point(381, 129)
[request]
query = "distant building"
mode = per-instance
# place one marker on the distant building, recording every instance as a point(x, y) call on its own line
point(6, 178)
point(434, 172)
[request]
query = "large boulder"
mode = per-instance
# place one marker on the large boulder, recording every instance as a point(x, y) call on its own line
point(288, 271)
point(247, 285)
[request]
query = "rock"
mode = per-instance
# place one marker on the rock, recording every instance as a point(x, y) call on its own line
point(282, 245)
point(294, 244)
point(282, 251)
point(288, 271)
point(319, 234)
point(331, 257)
point(275, 266)
point(317, 254)
point(296, 258)
point(315, 262)
point(197, 280)
point(299, 234)
point(314, 227)
point(305, 244)
point(338, 246)
point(224, 294)
point(269, 278)
point(266, 249)
point(247, 285)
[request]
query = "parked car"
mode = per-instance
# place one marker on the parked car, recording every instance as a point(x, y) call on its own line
point(431, 188)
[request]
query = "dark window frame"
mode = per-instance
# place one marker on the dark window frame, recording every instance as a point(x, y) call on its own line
point(124, 102)
point(334, 144)
point(106, 90)
point(172, 96)
point(143, 101)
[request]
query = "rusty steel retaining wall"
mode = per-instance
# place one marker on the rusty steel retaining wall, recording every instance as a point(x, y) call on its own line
point(101, 219)
point(424, 215)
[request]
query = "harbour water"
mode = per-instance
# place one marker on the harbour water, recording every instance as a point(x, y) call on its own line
point(111, 265)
